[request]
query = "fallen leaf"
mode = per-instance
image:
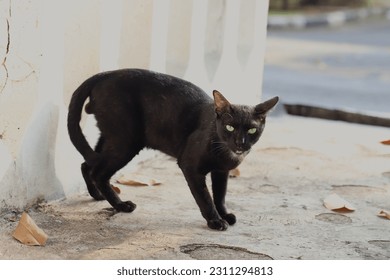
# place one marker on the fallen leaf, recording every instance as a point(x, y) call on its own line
point(28, 233)
point(116, 189)
point(336, 203)
point(234, 173)
point(386, 142)
point(136, 180)
point(384, 214)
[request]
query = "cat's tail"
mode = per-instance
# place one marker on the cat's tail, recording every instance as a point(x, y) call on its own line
point(74, 116)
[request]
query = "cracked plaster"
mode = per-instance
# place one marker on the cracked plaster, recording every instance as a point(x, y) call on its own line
point(5, 46)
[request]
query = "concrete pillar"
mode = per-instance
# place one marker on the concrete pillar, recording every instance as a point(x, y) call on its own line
point(241, 81)
point(38, 151)
point(20, 71)
point(254, 68)
point(158, 52)
point(111, 29)
point(82, 42)
point(20, 59)
point(179, 33)
point(196, 69)
point(5, 41)
point(82, 57)
point(229, 74)
point(214, 36)
point(135, 42)
point(246, 30)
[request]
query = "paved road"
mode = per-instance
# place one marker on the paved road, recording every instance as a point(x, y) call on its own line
point(347, 67)
point(372, 32)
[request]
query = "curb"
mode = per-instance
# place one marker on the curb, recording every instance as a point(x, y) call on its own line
point(325, 19)
point(335, 115)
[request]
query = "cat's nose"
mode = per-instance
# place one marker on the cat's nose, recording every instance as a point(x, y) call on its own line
point(240, 141)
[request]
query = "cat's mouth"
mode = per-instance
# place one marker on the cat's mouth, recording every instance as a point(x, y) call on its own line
point(241, 152)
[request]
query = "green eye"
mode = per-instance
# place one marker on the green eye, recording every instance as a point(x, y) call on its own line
point(252, 130)
point(229, 128)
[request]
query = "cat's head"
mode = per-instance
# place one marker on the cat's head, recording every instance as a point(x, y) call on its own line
point(240, 126)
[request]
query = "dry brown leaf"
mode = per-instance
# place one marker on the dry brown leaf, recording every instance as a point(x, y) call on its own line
point(116, 189)
point(384, 214)
point(234, 173)
point(386, 142)
point(28, 233)
point(136, 180)
point(336, 203)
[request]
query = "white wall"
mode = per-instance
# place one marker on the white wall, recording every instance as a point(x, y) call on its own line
point(48, 47)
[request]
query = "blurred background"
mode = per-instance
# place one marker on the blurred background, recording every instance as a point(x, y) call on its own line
point(333, 54)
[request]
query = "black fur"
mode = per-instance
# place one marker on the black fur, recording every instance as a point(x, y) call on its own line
point(137, 108)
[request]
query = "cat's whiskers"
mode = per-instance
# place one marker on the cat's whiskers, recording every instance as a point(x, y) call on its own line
point(219, 150)
point(219, 147)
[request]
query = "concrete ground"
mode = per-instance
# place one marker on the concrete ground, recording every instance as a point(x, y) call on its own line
point(278, 200)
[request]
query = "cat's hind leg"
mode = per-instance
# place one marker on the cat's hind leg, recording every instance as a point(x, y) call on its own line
point(86, 172)
point(92, 189)
point(115, 154)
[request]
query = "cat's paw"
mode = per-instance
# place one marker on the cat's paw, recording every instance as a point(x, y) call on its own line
point(230, 218)
point(126, 206)
point(217, 224)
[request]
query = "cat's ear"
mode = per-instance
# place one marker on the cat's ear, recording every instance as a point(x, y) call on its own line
point(264, 107)
point(221, 103)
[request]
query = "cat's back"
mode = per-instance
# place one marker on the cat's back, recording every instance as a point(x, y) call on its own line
point(153, 85)
point(150, 92)
point(166, 107)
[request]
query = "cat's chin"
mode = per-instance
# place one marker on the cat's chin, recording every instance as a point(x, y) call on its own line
point(238, 155)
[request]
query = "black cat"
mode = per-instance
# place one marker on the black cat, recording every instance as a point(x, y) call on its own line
point(137, 108)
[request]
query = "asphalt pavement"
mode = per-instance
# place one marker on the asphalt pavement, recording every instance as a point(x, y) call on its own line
point(341, 67)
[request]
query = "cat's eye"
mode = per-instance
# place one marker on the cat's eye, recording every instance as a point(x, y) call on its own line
point(229, 128)
point(252, 130)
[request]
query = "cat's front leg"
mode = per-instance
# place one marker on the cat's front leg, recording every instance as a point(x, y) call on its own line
point(198, 187)
point(219, 181)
